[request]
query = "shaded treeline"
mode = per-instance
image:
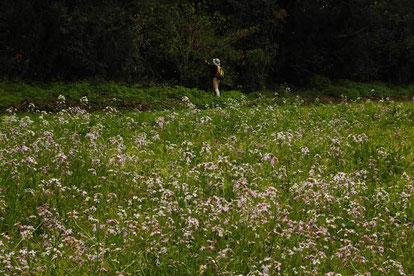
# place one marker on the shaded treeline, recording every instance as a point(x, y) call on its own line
point(261, 42)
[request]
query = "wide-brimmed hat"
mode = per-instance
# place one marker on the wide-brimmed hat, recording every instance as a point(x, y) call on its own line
point(216, 62)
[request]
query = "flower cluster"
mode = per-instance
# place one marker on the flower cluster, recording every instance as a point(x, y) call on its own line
point(265, 190)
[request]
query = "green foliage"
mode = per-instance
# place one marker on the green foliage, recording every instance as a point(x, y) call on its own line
point(261, 94)
point(340, 91)
point(335, 91)
point(404, 91)
point(260, 42)
point(319, 82)
point(353, 90)
point(140, 193)
point(137, 42)
point(101, 95)
point(375, 89)
point(353, 94)
point(257, 65)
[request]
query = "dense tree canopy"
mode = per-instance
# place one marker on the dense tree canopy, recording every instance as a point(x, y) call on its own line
point(261, 42)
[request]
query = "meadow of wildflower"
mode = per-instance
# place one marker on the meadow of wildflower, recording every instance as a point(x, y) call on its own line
point(272, 189)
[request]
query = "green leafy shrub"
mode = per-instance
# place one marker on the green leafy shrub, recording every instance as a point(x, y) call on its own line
point(404, 91)
point(262, 94)
point(353, 94)
point(258, 61)
point(335, 91)
point(320, 83)
point(373, 89)
point(100, 95)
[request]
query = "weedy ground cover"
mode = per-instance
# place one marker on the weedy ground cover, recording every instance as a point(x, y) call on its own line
point(23, 95)
point(274, 189)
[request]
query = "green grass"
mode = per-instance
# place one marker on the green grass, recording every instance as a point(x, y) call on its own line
point(322, 86)
point(44, 96)
point(100, 95)
point(270, 188)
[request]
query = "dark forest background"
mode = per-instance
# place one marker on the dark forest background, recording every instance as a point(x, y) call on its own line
point(260, 42)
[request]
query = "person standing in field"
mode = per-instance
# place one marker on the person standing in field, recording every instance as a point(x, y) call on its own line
point(217, 73)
